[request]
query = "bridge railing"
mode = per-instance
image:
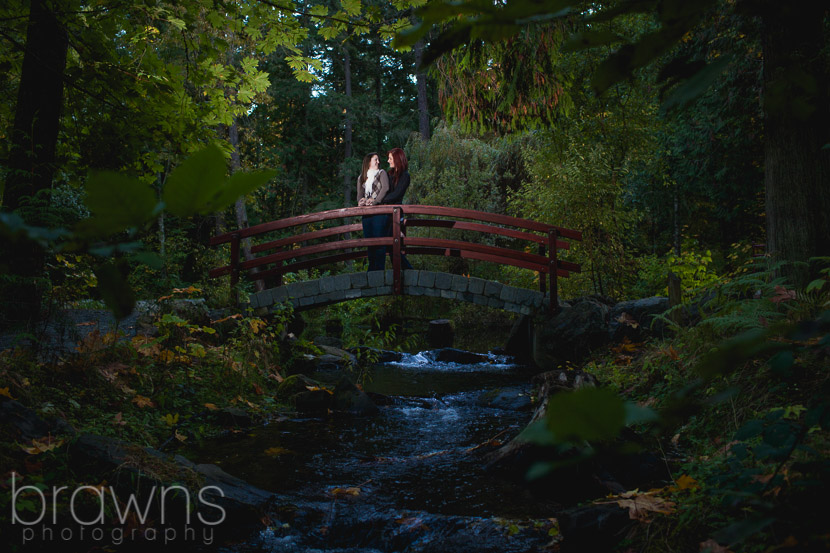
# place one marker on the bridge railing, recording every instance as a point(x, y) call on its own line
point(275, 255)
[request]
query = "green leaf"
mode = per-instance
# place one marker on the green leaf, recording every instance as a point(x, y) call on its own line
point(739, 531)
point(586, 414)
point(590, 39)
point(151, 259)
point(118, 202)
point(352, 7)
point(622, 63)
point(539, 469)
point(114, 289)
point(538, 433)
point(696, 85)
point(199, 177)
point(239, 184)
point(817, 284)
point(749, 430)
point(634, 414)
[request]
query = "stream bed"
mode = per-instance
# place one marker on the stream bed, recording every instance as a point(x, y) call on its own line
point(410, 479)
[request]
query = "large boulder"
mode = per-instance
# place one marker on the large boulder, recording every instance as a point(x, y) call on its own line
point(623, 464)
point(26, 425)
point(146, 469)
point(635, 319)
point(351, 399)
point(305, 395)
point(572, 333)
point(507, 399)
point(334, 358)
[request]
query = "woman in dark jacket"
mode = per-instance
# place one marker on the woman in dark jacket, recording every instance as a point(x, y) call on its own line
point(372, 189)
point(398, 183)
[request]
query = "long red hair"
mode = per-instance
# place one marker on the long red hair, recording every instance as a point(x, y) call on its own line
point(399, 157)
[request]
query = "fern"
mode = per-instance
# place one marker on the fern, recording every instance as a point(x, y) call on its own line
point(746, 301)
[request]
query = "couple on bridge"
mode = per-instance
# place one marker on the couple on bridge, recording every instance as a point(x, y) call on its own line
point(377, 187)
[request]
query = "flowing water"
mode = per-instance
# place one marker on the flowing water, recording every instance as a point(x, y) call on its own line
point(409, 479)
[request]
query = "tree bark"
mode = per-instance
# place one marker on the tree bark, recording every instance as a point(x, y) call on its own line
point(39, 102)
point(797, 126)
point(347, 135)
point(240, 208)
point(31, 161)
point(421, 81)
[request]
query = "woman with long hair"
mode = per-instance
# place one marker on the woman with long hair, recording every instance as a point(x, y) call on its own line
point(398, 183)
point(372, 188)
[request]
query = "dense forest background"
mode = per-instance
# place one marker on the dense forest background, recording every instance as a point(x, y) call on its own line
point(689, 142)
point(307, 89)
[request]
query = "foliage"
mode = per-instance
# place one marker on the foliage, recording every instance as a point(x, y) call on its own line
point(751, 415)
point(514, 85)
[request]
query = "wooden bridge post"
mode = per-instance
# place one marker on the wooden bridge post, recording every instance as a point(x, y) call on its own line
point(234, 267)
point(397, 281)
point(278, 266)
point(552, 270)
point(543, 284)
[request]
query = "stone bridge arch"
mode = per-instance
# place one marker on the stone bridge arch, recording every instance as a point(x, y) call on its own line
point(344, 287)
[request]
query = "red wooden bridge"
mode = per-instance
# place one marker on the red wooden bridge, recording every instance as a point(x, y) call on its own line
point(324, 246)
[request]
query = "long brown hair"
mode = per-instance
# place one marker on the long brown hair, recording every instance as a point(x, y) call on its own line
point(367, 161)
point(399, 157)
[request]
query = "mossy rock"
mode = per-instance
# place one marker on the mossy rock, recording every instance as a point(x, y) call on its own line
point(293, 385)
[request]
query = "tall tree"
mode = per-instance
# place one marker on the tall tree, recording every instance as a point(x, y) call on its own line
point(794, 36)
point(31, 163)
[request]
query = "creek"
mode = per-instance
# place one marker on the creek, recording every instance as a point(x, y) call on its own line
point(409, 479)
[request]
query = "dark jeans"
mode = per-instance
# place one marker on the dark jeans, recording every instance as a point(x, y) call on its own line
point(378, 226)
point(375, 226)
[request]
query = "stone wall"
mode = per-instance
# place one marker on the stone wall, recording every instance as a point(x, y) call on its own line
point(337, 288)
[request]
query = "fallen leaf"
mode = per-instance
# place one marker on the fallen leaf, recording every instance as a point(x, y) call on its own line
point(5, 392)
point(316, 388)
point(276, 451)
point(258, 389)
point(41, 446)
point(711, 546)
point(211, 406)
point(142, 401)
point(686, 482)
point(641, 504)
point(344, 492)
point(782, 295)
point(87, 323)
point(180, 437)
point(628, 320)
point(118, 420)
point(222, 320)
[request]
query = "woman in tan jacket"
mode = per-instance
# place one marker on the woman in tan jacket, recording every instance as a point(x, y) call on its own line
point(372, 187)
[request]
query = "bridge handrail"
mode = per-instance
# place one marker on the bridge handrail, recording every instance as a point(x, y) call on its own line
point(345, 212)
point(545, 262)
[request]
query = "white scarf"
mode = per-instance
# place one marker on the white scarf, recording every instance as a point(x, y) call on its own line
point(370, 179)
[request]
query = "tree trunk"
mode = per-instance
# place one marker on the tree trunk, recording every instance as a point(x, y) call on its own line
point(347, 136)
point(32, 157)
point(797, 123)
point(421, 81)
point(39, 102)
point(379, 101)
point(240, 208)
